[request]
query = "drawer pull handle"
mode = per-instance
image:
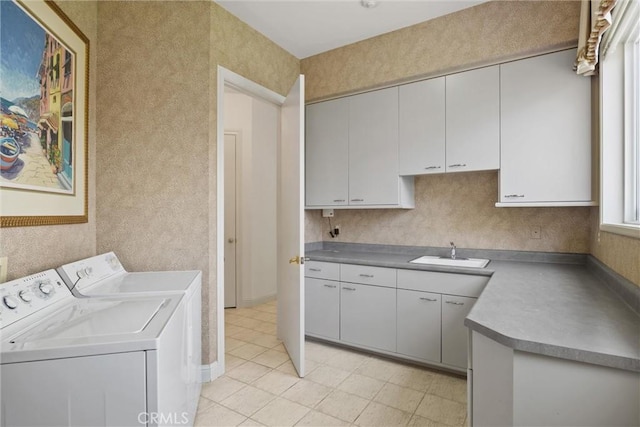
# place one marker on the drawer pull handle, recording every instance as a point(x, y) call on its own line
point(432, 167)
point(338, 200)
point(458, 165)
point(348, 289)
point(366, 275)
point(510, 196)
point(428, 299)
point(315, 269)
point(357, 200)
point(329, 286)
point(454, 302)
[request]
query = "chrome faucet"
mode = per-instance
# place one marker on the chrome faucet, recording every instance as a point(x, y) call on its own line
point(453, 250)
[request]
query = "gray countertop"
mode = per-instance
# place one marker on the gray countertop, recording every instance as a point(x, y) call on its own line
point(555, 309)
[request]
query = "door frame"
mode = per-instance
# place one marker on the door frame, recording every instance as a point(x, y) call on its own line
point(227, 77)
point(238, 170)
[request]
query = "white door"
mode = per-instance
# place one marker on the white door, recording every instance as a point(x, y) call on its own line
point(229, 220)
point(291, 226)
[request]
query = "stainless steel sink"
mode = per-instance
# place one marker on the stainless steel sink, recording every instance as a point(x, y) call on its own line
point(458, 262)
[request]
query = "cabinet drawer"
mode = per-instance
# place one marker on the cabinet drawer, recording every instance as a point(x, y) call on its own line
point(443, 283)
point(368, 275)
point(322, 270)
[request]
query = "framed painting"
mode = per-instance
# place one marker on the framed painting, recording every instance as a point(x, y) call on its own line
point(44, 64)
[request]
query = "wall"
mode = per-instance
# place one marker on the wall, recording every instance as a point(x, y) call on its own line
point(485, 34)
point(157, 68)
point(33, 249)
point(458, 207)
point(257, 124)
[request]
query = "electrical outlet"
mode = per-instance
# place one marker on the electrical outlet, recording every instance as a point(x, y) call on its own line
point(535, 232)
point(4, 262)
point(336, 230)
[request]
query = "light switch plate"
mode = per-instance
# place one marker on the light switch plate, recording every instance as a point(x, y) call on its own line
point(4, 262)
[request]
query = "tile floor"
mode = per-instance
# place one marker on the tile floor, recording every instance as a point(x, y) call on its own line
point(341, 387)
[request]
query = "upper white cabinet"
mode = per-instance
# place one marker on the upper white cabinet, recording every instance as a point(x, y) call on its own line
point(473, 120)
point(421, 142)
point(545, 128)
point(327, 153)
point(352, 153)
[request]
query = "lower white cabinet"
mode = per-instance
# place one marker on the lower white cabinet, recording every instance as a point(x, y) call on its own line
point(454, 333)
point(419, 331)
point(322, 308)
point(368, 316)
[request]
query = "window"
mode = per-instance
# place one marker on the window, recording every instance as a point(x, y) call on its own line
point(620, 123)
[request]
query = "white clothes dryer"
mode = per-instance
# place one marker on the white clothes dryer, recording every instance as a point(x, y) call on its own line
point(83, 362)
point(103, 275)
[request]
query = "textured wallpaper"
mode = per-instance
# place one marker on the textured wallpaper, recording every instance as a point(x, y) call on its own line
point(460, 207)
point(33, 249)
point(485, 34)
point(157, 72)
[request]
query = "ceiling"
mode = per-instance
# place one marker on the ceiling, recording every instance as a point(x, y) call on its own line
point(308, 27)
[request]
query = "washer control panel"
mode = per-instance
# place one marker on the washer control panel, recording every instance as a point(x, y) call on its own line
point(87, 272)
point(22, 297)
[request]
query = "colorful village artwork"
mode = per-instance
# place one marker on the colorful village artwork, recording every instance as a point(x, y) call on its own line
point(36, 105)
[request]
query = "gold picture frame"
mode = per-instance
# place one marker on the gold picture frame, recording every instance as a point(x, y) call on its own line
point(44, 125)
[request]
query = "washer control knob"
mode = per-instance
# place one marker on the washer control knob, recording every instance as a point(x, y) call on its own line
point(46, 288)
point(10, 302)
point(26, 296)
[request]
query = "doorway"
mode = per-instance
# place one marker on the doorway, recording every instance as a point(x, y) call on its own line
point(285, 192)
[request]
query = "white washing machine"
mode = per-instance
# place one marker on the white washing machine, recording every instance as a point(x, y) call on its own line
point(103, 275)
point(93, 361)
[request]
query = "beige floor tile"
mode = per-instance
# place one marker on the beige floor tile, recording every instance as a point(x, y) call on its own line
point(217, 415)
point(318, 419)
point(449, 387)
point(232, 343)
point(346, 360)
point(398, 397)
point(318, 352)
point(269, 309)
point(247, 351)
point(281, 348)
point(249, 323)
point(230, 330)
point(376, 414)
point(244, 334)
point(267, 317)
point(249, 312)
point(280, 412)
point(267, 328)
point(288, 368)
point(248, 372)
point(379, 369)
point(266, 340)
point(307, 393)
point(343, 405)
point(327, 375)
point(271, 358)
point(418, 421)
point(231, 361)
point(414, 378)
point(250, 423)
point(276, 382)
point(221, 388)
point(365, 387)
point(248, 400)
point(204, 403)
point(442, 410)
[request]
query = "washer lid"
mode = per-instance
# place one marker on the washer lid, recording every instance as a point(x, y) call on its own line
point(91, 326)
point(143, 283)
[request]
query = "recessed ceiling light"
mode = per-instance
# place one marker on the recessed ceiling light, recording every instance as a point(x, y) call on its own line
point(369, 4)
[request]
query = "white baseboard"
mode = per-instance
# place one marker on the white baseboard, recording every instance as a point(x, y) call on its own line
point(210, 372)
point(256, 301)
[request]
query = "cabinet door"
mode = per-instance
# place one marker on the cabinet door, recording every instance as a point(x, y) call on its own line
point(454, 333)
point(546, 138)
point(419, 322)
point(373, 148)
point(421, 142)
point(473, 120)
point(368, 316)
point(322, 307)
point(327, 153)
